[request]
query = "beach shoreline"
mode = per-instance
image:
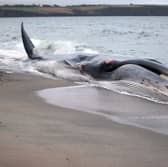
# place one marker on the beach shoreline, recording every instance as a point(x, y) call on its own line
point(34, 133)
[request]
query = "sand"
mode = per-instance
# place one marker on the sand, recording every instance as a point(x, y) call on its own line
point(36, 134)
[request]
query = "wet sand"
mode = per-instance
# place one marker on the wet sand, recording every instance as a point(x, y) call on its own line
point(34, 133)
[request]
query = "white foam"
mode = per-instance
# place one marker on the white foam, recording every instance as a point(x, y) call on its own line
point(11, 55)
point(61, 47)
point(61, 71)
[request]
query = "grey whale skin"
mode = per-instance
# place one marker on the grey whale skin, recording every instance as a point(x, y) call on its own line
point(148, 71)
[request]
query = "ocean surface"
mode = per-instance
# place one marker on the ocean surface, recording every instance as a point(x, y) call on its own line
point(56, 38)
point(118, 38)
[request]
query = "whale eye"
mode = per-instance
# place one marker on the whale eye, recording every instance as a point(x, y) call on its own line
point(82, 68)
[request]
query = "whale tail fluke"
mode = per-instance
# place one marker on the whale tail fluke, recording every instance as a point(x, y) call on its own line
point(28, 45)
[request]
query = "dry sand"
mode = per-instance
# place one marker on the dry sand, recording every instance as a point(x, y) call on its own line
point(36, 134)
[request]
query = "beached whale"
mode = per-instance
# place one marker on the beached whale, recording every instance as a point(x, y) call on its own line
point(144, 71)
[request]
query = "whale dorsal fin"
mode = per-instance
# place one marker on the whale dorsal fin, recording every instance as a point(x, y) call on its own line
point(28, 45)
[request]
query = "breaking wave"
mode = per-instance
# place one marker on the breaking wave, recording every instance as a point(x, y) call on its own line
point(15, 58)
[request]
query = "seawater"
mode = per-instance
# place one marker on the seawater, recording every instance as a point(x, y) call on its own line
point(117, 37)
point(57, 38)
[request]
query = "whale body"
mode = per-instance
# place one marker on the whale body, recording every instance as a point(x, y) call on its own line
point(143, 71)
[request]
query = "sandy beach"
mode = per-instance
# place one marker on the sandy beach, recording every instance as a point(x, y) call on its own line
point(36, 134)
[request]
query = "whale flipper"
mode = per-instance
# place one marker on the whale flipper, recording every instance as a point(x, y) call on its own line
point(28, 45)
point(150, 64)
